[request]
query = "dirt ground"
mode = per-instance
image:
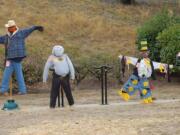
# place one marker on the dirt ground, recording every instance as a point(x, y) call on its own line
point(88, 117)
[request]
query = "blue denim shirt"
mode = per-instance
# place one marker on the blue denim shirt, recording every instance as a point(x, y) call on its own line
point(16, 43)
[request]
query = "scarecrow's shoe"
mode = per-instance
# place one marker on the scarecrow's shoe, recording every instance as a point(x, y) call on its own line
point(124, 95)
point(147, 100)
point(150, 99)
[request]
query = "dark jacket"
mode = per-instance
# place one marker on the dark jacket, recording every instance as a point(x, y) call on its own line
point(16, 43)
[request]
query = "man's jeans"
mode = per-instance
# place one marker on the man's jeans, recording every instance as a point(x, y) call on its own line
point(17, 68)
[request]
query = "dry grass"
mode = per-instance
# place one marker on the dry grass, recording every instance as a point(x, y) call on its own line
point(88, 24)
point(84, 27)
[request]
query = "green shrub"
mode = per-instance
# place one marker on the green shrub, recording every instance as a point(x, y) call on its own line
point(81, 67)
point(85, 65)
point(32, 73)
point(33, 67)
point(151, 29)
point(169, 41)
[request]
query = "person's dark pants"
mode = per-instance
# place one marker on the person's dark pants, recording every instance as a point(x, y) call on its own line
point(58, 82)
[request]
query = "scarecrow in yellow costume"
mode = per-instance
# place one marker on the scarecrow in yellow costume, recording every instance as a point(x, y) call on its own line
point(139, 80)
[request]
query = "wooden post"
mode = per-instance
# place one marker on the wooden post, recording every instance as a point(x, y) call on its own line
point(10, 87)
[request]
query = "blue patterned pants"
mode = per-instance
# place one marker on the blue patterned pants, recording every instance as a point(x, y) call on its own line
point(135, 83)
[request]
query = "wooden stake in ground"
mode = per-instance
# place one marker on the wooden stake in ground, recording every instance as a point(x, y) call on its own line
point(10, 87)
point(10, 104)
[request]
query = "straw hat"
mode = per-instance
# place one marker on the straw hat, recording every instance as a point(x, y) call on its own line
point(10, 23)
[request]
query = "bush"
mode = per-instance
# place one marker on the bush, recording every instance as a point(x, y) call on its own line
point(85, 66)
point(151, 29)
point(32, 73)
point(81, 66)
point(33, 66)
point(169, 41)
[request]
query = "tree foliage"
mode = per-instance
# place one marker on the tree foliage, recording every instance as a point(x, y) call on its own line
point(150, 30)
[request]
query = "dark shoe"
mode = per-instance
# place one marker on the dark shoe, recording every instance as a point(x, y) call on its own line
point(71, 104)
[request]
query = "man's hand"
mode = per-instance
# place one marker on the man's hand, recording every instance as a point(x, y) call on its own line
point(40, 28)
point(72, 83)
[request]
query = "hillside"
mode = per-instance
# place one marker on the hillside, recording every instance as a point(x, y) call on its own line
point(85, 28)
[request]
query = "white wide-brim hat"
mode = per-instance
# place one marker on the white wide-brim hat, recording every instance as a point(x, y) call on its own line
point(58, 50)
point(10, 23)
